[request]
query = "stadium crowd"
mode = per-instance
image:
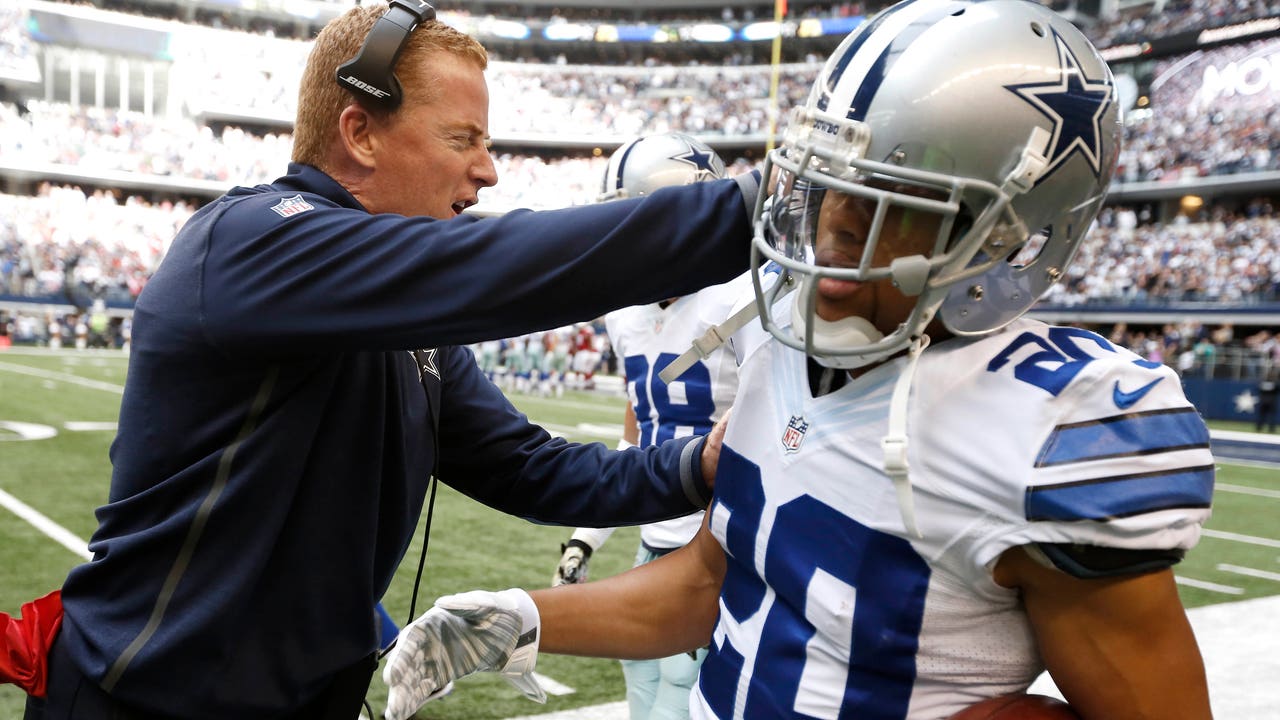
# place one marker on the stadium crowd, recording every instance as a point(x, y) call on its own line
point(1156, 19)
point(1197, 123)
point(1134, 23)
point(17, 51)
point(105, 139)
point(1214, 116)
point(1182, 134)
point(67, 244)
point(1223, 257)
point(220, 18)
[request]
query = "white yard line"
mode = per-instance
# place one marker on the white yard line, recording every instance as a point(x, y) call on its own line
point(62, 377)
point(1237, 537)
point(1264, 438)
point(1246, 490)
point(88, 426)
point(553, 687)
point(599, 431)
point(41, 522)
point(1249, 572)
point(608, 711)
point(1206, 585)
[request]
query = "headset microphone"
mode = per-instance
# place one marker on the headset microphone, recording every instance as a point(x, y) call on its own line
point(370, 75)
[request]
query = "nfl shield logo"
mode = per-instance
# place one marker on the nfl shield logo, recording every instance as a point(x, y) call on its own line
point(794, 434)
point(289, 207)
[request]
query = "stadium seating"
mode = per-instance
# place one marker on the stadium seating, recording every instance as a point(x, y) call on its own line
point(226, 110)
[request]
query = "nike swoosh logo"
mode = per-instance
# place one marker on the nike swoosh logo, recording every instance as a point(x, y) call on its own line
point(1125, 400)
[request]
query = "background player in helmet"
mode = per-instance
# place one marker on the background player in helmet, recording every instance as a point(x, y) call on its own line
point(902, 532)
point(586, 357)
point(645, 338)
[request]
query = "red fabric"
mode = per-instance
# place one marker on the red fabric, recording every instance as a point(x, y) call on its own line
point(25, 641)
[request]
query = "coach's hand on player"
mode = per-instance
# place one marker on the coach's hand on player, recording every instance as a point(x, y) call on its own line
point(711, 450)
point(462, 634)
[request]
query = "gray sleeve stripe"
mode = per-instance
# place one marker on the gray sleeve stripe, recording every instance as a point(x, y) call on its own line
point(749, 184)
point(194, 533)
point(691, 475)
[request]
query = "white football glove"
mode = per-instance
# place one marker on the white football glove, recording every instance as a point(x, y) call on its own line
point(462, 634)
point(575, 557)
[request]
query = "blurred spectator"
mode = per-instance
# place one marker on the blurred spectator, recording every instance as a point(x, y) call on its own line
point(1268, 388)
point(77, 246)
point(1154, 20)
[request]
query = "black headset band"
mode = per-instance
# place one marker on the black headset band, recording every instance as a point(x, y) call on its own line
point(370, 75)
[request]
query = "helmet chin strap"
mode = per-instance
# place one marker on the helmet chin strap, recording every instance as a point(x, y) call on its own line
point(846, 334)
point(894, 443)
point(855, 332)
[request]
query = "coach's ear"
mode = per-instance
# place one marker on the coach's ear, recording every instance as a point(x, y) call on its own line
point(356, 130)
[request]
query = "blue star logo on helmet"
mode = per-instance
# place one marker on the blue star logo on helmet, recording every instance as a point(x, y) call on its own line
point(1076, 104)
point(702, 159)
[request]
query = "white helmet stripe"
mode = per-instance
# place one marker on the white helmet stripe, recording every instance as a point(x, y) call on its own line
point(617, 164)
point(862, 76)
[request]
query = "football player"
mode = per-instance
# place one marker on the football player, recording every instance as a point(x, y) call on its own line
point(586, 357)
point(645, 339)
point(924, 499)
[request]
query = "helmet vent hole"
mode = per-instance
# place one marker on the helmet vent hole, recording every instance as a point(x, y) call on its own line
point(1038, 29)
point(958, 13)
point(1027, 253)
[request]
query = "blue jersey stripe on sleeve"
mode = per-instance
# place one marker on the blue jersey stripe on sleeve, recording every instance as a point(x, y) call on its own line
point(1125, 435)
point(1121, 496)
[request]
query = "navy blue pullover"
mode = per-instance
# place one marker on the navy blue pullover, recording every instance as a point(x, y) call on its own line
point(275, 441)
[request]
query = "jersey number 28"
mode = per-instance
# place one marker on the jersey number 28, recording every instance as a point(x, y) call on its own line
point(653, 400)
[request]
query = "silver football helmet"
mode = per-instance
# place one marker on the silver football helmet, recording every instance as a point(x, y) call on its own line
point(644, 164)
point(999, 118)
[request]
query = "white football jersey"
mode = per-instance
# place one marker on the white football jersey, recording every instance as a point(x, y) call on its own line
point(645, 339)
point(830, 608)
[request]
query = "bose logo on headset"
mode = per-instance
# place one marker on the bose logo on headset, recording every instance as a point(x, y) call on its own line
point(371, 73)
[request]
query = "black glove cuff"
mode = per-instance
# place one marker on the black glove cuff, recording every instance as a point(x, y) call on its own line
point(586, 549)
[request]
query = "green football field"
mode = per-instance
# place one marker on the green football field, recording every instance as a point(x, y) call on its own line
point(57, 415)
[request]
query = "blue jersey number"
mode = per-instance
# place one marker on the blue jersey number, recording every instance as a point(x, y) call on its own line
point(844, 622)
point(653, 394)
point(1058, 360)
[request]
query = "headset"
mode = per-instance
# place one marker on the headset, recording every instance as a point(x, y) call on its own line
point(370, 75)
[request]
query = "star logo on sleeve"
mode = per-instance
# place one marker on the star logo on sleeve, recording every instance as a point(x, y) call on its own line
point(1075, 104)
point(425, 361)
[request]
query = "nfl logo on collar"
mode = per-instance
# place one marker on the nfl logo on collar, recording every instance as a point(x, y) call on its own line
point(794, 434)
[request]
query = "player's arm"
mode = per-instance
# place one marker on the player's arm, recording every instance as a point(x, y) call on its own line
point(1117, 646)
point(655, 610)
